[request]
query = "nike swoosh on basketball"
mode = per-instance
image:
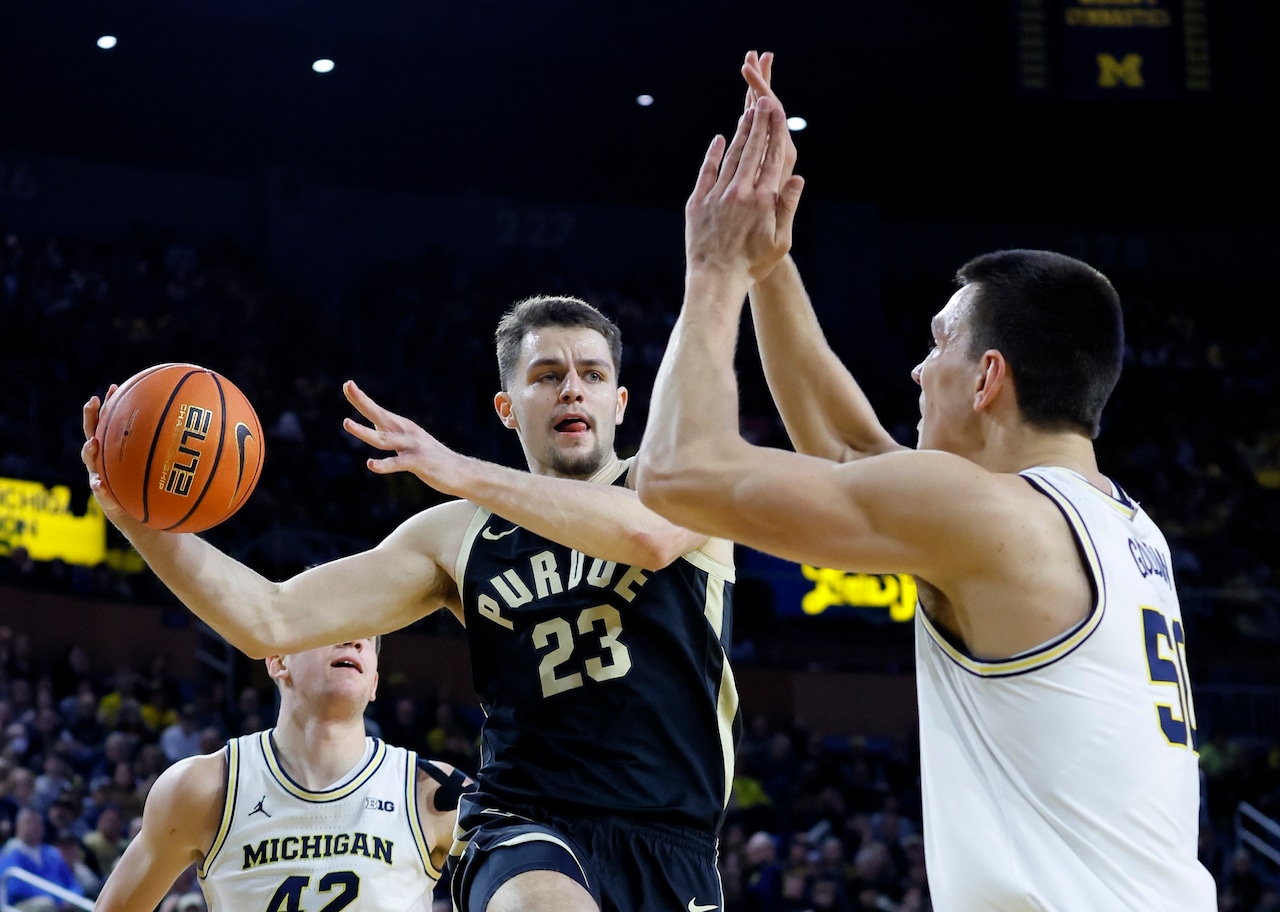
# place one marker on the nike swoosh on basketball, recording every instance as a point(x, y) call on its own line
point(242, 433)
point(494, 536)
point(695, 907)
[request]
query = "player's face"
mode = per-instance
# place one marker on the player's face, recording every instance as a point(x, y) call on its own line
point(345, 671)
point(948, 379)
point(564, 401)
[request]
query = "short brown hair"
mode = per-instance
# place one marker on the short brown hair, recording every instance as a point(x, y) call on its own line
point(549, 310)
point(1058, 323)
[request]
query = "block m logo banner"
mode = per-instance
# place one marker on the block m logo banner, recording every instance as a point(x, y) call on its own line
point(1126, 72)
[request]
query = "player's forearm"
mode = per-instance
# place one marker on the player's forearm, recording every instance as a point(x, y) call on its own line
point(693, 421)
point(601, 520)
point(825, 411)
point(132, 887)
point(228, 596)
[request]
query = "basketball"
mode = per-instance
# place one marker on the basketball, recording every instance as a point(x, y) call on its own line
point(182, 447)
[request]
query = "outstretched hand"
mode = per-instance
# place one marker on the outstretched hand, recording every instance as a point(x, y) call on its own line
point(740, 214)
point(416, 450)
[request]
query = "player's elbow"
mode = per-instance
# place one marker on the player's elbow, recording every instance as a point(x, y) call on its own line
point(654, 482)
point(259, 641)
point(657, 548)
point(668, 491)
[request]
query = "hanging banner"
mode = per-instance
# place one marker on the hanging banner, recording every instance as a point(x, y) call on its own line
point(42, 521)
point(1113, 49)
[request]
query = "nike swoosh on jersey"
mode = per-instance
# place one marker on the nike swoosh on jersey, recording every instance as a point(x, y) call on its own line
point(694, 906)
point(494, 536)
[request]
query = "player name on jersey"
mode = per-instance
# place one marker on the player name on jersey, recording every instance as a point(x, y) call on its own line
point(319, 845)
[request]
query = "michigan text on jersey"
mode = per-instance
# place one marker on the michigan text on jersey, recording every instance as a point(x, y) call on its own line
point(321, 845)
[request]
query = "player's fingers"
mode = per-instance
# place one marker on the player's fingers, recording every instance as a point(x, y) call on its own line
point(788, 203)
point(359, 399)
point(380, 417)
point(385, 466)
point(766, 66)
point(361, 432)
point(759, 141)
point(89, 455)
point(89, 417)
point(774, 154)
point(751, 61)
point(710, 168)
point(733, 155)
point(757, 82)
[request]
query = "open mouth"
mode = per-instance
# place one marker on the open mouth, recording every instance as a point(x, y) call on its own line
point(573, 424)
point(347, 663)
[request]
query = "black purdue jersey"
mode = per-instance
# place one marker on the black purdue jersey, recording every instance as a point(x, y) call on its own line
point(606, 688)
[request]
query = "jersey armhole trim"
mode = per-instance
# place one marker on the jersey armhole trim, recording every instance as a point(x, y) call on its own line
point(231, 788)
point(464, 550)
point(710, 565)
point(1060, 646)
point(415, 815)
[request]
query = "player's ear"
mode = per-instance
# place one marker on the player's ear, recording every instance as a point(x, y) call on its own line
point(276, 667)
point(502, 404)
point(992, 381)
point(373, 692)
point(621, 408)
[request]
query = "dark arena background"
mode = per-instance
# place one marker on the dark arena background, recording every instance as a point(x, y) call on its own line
point(187, 182)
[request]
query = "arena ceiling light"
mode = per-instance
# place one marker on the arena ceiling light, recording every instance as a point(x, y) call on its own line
point(796, 124)
point(644, 100)
point(107, 42)
point(323, 65)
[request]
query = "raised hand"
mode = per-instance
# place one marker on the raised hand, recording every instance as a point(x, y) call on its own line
point(416, 451)
point(741, 211)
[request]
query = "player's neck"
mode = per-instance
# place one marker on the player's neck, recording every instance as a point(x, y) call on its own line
point(1021, 447)
point(317, 751)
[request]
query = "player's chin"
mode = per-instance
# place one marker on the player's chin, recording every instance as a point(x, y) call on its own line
point(577, 462)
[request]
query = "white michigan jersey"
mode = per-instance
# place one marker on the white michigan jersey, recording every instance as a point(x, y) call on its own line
point(357, 845)
point(1066, 778)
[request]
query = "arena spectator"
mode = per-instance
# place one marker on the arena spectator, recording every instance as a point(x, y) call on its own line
point(181, 738)
point(28, 851)
point(107, 841)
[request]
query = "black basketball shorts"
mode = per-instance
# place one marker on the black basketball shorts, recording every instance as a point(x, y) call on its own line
point(625, 866)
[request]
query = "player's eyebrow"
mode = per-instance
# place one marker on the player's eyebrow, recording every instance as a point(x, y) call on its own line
point(597, 364)
point(545, 362)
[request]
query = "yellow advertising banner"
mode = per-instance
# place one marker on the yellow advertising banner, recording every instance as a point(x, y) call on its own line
point(831, 588)
point(41, 520)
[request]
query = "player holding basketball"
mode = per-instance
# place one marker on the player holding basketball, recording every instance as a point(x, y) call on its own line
point(309, 814)
point(597, 632)
point(1056, 725)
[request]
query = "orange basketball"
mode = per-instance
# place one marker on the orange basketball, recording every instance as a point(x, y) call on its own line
point(182, 447)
